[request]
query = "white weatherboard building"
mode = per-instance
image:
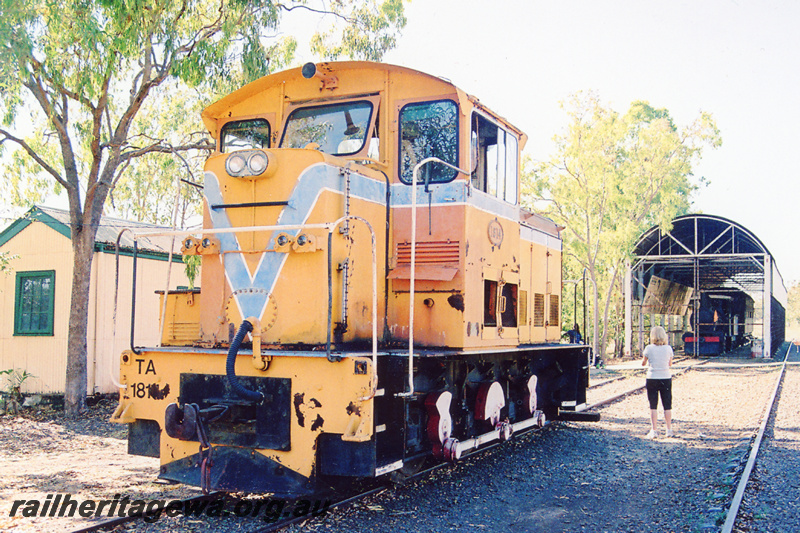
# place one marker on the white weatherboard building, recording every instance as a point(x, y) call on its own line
point(35, 297)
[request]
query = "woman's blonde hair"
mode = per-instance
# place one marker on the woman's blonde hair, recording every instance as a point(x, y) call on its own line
point(658, 336)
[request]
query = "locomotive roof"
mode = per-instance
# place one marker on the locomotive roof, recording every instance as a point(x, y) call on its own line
point(221, 107)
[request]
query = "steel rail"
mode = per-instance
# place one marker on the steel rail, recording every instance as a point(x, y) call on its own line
point(620, 378)
point(733, 511)
point(616, 397)
point(375, 490)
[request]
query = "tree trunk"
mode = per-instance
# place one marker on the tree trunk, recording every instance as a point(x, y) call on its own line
point(609, 294)
point(76, 389)
point(596, 313)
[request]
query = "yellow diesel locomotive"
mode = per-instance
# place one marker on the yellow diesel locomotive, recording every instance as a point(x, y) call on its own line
point(372, 294)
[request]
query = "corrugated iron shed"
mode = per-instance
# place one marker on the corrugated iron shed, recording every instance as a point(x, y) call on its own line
point(711, 256)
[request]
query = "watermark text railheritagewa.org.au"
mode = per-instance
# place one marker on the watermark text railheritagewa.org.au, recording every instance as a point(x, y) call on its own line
point(266, 509)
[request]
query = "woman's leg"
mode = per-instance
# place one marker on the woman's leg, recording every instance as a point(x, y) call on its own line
point(652, 398)
point(666, 401)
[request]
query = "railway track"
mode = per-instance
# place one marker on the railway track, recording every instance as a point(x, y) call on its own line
point(732, 516)
point(635, 389)
point(338, 500)
point(630, 373)
point(248, 508)
point(385, 485)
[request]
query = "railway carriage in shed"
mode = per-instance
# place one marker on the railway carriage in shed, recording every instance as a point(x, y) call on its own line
point(371, 293)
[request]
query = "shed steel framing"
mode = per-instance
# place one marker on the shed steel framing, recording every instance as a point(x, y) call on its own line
point(713, 256)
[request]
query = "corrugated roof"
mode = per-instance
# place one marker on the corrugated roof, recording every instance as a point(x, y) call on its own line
point(729, 255)
point(107, 232)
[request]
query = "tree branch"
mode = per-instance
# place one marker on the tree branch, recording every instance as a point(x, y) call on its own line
point(318, 11)
point(42, 163)
point(165, 148)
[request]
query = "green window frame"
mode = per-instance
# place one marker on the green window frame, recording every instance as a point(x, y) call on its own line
point(34, 303)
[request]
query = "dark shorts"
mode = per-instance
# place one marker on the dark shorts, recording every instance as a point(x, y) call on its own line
point(656, 386)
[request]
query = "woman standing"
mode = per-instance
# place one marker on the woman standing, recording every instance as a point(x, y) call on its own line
point(658, 355)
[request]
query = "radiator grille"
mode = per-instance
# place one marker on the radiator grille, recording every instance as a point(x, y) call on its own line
point(429, 252)
point(523, 308)
point(554, 309)
point(182, 332)
point(538, 310)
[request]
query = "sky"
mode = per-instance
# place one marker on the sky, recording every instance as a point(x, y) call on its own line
point(738, 60)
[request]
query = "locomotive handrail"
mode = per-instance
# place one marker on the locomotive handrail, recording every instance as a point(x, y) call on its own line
point(330, 227)
point(204, 231)
point(414, 186)
point(374, 298)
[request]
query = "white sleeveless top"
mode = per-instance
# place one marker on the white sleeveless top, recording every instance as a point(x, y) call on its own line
point(658, 357)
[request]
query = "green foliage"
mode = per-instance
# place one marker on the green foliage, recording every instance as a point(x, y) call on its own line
point(15, 380)
point(611, 178)
point(12, 394)
point(93, 66)
point(793, 309)
point(5, 263)
point(370, 32)
point(150, 185)
point(192, 268)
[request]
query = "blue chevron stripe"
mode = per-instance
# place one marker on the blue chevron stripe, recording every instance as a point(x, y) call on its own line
point(301, 202)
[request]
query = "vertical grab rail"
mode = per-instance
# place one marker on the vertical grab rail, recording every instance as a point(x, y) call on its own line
point(373, 249)
point(414, 262)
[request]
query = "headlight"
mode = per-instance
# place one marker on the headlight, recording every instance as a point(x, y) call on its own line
point(248, 163)
point(235, 164)
point(258, 163)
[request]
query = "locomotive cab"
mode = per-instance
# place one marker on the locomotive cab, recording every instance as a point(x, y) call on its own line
point(351, 322)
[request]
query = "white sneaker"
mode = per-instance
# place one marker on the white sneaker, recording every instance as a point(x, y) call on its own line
point(669, 433)
point(651, 434)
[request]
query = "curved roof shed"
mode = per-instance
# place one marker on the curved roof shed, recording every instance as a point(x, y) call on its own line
point(703, 256)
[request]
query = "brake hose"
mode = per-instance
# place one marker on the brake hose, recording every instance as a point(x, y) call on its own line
point(230, 366)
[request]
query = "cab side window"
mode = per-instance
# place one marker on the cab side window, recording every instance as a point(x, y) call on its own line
point(494, 159)
point(428, 129)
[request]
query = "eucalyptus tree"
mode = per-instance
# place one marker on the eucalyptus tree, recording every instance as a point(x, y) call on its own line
point(611, 178)
point(793, 309)
point(76, 74)
point(165, 188)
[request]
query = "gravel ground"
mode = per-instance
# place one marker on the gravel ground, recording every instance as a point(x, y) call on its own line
point(602, 477)
point(42, 453)
point(772, 500)
point(570, 477)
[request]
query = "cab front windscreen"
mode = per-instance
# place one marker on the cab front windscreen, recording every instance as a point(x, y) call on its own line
point(338, 129)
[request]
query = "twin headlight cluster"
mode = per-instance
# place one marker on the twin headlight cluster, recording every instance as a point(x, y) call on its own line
point(247, 163)
point(195, 246)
